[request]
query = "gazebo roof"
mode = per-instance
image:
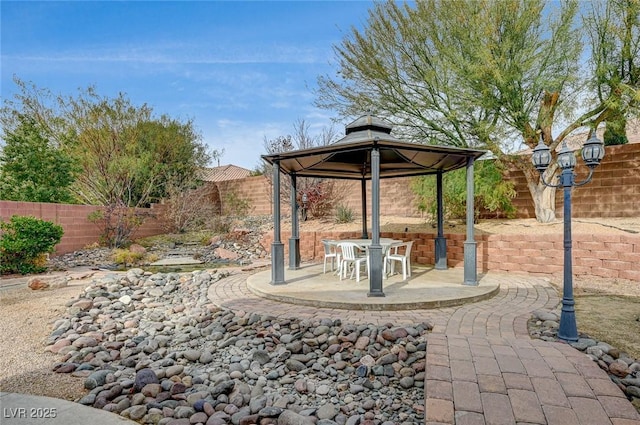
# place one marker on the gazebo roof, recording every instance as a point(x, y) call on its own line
point(350, 157)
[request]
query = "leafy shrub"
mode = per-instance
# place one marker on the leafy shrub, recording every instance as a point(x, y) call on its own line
point(24, 241)
point(344, 214)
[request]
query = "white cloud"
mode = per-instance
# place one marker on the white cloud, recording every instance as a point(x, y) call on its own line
point(179, 53)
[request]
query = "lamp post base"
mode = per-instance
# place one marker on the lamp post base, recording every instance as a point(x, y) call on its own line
point(568, 330)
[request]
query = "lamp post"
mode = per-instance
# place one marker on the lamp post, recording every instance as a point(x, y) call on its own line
point(592, 154)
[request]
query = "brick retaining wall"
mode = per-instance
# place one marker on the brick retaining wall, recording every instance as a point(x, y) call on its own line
point(610, 256)
point(78, 230)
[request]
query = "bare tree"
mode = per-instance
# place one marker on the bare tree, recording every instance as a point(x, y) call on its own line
point(321, 194)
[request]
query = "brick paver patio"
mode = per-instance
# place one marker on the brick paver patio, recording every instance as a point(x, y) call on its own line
point(481, 366)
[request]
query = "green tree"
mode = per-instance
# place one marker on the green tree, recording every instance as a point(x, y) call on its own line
point(127, 157)
point(492, 193)
point(175, 154)
point(33, 170)
point(614, 30)
point(485, 74)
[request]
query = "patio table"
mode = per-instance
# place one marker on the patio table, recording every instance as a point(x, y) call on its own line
point(386, 244)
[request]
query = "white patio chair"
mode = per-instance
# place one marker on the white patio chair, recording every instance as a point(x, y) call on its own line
point(331, 253)
point(351, 258)
point(403, 258)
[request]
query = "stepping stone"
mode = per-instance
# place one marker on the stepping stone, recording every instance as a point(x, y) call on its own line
point(176, 261)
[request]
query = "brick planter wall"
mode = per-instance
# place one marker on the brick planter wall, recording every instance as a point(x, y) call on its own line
point(610, 256)
point(78, 230)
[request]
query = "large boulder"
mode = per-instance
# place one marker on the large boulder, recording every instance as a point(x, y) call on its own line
point(41, 283)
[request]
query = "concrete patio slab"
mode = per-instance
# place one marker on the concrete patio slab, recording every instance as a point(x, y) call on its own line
point(24, 409)
point(426, 288)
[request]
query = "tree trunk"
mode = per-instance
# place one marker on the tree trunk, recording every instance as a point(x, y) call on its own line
point(544, 197)
point(544, 200)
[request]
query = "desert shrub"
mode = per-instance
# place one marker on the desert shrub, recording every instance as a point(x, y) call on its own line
point(221, 224)
point(127, 257)
point(24, 242)
point(344, 214)
point(151, 258)
point(321, 198)
point(117, 223)
point(205, 239)
point(189, 209)
point(235, 206)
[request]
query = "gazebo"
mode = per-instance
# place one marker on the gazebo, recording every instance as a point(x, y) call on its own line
point(369, 152)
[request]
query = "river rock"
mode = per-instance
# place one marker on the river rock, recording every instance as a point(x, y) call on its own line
point(181, 359)
point(144, 377)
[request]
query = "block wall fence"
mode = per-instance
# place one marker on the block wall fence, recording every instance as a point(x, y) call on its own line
point(613, 192)
point(78, 230)
point(610, 256)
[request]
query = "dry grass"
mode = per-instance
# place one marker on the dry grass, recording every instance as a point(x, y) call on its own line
point(613, 319)
point(608, 310)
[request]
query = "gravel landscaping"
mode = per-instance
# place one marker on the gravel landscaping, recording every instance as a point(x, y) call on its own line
point(152, 347)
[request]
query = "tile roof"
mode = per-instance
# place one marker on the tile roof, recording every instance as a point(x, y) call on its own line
point(223, 173)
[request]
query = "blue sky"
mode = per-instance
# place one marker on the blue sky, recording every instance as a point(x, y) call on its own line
point(241, 70)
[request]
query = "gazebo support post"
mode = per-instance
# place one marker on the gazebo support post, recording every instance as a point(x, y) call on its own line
point(363, 187)
point(470, 245)
point(294, 240)
point(369, 151)
point(375, 250)
point(440, 241)
point(277, 247)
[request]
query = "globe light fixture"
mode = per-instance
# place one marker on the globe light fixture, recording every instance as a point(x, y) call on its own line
point(592, 154)
point(541, 157)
